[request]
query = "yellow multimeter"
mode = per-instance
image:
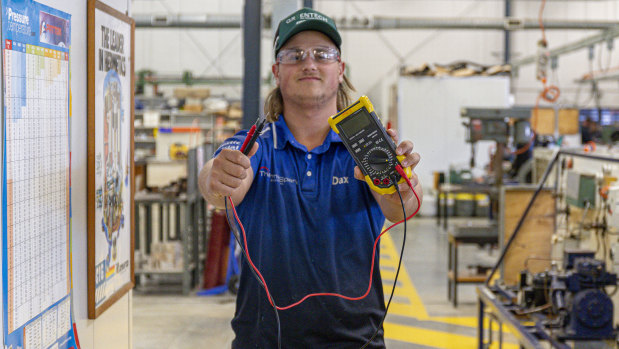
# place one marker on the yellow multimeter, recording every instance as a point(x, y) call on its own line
point(369, 144)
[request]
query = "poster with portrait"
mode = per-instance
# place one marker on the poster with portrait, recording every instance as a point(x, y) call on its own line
point(110, 156)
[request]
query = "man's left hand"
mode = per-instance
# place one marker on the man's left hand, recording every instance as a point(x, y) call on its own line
point(411, 160)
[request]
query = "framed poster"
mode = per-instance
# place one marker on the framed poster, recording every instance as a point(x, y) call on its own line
point(110, 156)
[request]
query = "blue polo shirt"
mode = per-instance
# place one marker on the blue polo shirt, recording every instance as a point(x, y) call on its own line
point(310, 228)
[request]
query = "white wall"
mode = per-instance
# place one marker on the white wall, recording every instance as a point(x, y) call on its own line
point(423, 102)
point(113, 328)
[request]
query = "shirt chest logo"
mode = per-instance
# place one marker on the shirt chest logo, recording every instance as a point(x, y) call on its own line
point(275, 178)
point(339, 180)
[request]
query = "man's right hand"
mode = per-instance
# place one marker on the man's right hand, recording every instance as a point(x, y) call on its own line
point(228, 174)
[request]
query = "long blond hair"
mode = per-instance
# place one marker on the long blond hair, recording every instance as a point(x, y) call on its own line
point(274, 103)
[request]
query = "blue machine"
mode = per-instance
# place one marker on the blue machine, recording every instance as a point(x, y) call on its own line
point(574, 302)
point(588, 311)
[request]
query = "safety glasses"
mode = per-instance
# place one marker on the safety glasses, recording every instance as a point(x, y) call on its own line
point(318, 54)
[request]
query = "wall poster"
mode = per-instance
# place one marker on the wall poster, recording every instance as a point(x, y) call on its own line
point(110, 156)
point(36, 180)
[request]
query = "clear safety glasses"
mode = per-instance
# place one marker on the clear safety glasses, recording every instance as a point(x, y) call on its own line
point(318, 54)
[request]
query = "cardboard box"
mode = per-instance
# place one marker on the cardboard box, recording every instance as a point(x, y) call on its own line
point(192, 92)
point(193, 108)
point(236, 124)
point(161, 174)
point(166, 255)
point(568, 121)
point(543, 121)
point(220, 112)
point(235, 113)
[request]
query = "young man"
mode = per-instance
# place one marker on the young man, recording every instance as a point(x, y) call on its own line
point(310, 226)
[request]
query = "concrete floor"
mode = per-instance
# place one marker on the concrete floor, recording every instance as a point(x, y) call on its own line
point(420, 316)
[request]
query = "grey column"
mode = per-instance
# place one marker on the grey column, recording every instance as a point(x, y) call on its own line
point(507, 42)
point(252, 29)
point(280, 10)
point(308, 3)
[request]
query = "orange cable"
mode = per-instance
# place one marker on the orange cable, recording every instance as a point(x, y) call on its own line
point(541, 22)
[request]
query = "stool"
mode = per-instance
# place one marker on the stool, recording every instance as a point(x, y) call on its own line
point(480, 235)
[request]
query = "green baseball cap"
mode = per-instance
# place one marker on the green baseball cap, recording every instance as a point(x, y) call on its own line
point(305, 19)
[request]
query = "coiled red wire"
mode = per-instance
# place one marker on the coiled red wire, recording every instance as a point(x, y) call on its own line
point(330, 294)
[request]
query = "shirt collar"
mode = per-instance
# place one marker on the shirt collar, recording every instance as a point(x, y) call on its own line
point(283, 135)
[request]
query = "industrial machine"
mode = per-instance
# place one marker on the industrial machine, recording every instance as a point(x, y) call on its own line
point(573, 300)
point(497, 124)
point(504, 126)
point(569, 302)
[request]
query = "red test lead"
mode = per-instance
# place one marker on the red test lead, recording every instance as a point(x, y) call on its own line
point(252, 135)
point(236, 217)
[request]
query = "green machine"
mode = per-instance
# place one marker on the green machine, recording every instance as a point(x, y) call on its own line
point(581, 189)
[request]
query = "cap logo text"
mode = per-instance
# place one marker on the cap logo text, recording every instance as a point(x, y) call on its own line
point(313, 16)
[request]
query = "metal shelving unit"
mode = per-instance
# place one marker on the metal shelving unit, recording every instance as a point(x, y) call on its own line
point(173, 221)
point(172, 231)
point(181, 231)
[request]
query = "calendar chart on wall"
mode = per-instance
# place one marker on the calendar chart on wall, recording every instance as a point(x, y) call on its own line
point(36, 186)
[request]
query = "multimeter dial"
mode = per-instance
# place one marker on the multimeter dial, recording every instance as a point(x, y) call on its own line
point(378, 161)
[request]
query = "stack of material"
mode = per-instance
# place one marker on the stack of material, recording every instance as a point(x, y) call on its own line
point(193, 96)
point(235, 112)
point(217, 106)
point(460, 68)
point(166, 255)
point(235, 116)
point(228, 115)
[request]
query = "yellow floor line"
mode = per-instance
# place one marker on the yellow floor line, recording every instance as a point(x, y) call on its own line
point(466, 321)
point(434, 339)
point(402, 309)
point(413, 307)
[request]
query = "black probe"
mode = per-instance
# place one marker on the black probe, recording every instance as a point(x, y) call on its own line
point(248, 143)
point(252, 135)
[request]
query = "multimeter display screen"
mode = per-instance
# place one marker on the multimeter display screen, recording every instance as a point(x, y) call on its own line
point(355, 123)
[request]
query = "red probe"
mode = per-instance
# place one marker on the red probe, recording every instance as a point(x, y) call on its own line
point(252, 135)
